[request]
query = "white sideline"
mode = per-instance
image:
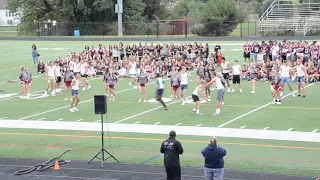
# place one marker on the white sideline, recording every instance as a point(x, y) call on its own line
point(164, 129)
point(63, 107)
point(250, 112)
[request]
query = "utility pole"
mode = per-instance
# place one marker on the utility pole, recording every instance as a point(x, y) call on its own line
point(119, 11)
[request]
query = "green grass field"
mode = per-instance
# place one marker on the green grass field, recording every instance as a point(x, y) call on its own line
point(288, 157)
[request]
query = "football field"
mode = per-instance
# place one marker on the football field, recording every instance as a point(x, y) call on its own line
point(258, 135)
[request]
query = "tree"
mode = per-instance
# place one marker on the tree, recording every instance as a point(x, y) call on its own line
point(218, 18)
point(134, 21)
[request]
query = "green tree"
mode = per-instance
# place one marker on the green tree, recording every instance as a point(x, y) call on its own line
point(218, 18)
point(134, 21)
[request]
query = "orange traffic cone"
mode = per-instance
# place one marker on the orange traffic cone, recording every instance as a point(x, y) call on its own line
point(56, 166)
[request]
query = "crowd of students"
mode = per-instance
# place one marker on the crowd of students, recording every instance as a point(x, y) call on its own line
point(280, 63)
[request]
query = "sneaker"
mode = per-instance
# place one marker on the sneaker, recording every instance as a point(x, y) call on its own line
point(22, 97)
point(46, 93)
point(279, 102)
point(193, 112)
point(209, 100)
point(303, 96)
point(183, 103)
point(139, 100)
point(71, 110)
point(274, 102)
point(222, 103)
point(89, 87)
point(113, 99)
point(70, 99)
point(53, 94)
point(209, 97)
point(216, 114)
point(232, 90)
point(299, 95)
point(145, 101)
point(252, 92)
point(171, 96)
point(66, 99)
point(58, 90)
point(228, 90)
point(83, 89)
point(241, 90)
point(110, 98)
point(75, 109)
point(135, 87)
point(293, 95)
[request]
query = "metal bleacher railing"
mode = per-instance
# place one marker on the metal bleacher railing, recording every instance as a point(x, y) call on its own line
point(291, 17)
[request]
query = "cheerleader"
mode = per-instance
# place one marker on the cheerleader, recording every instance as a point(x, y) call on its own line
point(68, 76)
point(111, 79)
point(175, 85)
point(57, 73)
point(276, 86)
point(200, 73)
point(84, 67)
point(171, 76)
point(184, 78)
point(142, 80)
point(23, 79)
point(253, 71)
point(28, 82)
point(50, 78)
point(207, 77)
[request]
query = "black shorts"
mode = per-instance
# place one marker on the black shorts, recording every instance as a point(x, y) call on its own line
point(246, 55)
point(84, 75)
point(160, 92)
point(195, 98)
point(58, 79)
point(236, 79)
point(225, 76)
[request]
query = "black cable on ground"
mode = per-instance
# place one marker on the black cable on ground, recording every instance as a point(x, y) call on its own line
point(44, 166)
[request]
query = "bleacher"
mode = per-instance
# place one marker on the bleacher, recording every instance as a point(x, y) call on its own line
point(290, 16)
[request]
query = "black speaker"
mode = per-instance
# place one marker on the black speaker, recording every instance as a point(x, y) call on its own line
point(100, 104)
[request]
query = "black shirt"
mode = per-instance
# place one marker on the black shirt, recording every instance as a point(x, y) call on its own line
point(171, 148)
point(216, 48)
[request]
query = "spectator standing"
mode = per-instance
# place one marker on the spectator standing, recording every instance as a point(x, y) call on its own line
point(171, 148)
point(35, 54)
point(213, 160)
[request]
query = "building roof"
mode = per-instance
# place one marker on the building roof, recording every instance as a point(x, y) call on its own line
point(3, 4)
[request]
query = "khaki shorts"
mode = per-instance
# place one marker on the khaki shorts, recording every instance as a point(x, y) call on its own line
point(50, 79)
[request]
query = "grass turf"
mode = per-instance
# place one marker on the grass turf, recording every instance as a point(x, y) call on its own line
point(297, 113)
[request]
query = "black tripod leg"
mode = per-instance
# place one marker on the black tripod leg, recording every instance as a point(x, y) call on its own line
point(94, 157)
point(110, 155)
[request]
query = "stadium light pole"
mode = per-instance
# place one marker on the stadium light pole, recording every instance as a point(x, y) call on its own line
point(119, 11)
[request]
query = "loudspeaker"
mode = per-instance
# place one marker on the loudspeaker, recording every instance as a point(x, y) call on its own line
point(100, 104)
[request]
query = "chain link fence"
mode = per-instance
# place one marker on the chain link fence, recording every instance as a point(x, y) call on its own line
point(175, 28)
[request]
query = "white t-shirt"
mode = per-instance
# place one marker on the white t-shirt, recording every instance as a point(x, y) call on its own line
point(57, 71)
point(50, 71)
point(236, 69)
point(285, 71)
point(219, 84)
point(196, 91)
point(184, 78)
point(260, 57)
point(300, 71)
point(224, 67)
point(160, 83)
point(133, 67)
point(76, 67)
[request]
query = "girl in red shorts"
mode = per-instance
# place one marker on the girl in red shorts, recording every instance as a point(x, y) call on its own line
point(111, 80)
point(142, 80)
point(68, 76)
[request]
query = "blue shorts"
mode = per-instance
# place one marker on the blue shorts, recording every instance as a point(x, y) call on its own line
point(133, 75)
point(74, 92)
point(285, 80)
point(300, 79)
point(160, 92)
point(183, 87)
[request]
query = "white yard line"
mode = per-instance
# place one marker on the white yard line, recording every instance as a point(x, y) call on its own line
point(63, 107)
point(289, 129)
point(157, 123)
point(4, 118)
point(198, 125)
point(164, 129)
point(41, 119)
point(79, 120)
point(250, 112)
point(243, 127)
point(60, 119)
point(315, 130)
point(6, 76)
point(144, 112)
point(265, 128)
point(37, 91)
point(137, 122)
point(178, 124)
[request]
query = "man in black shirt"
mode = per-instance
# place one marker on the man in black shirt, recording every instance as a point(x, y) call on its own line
point(216, 49)
point(171, 148)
